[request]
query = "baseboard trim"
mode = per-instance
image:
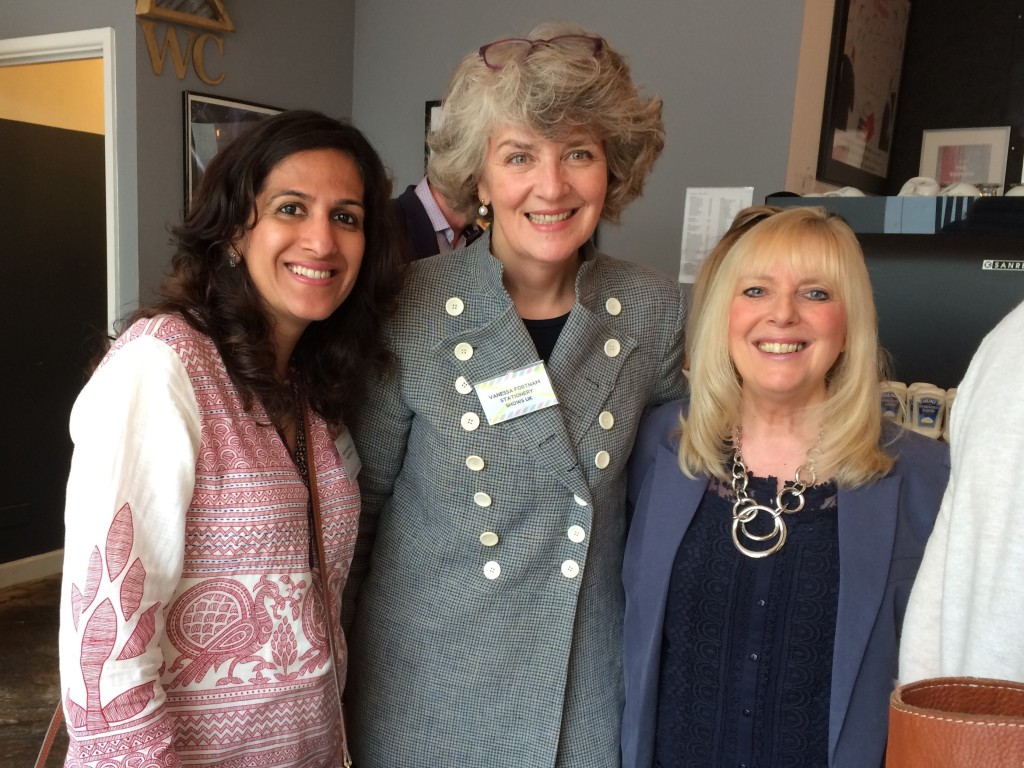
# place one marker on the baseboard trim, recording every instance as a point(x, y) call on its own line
point(31, 568)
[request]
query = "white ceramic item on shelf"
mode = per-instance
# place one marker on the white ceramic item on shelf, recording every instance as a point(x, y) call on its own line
point(894, 401)
point(927, 406)
point(950, 397)
point(920, 186)
point(844, 192)
point(960, 189)
point(1015, 191)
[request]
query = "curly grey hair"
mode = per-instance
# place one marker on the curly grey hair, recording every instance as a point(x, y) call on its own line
point(553, 93)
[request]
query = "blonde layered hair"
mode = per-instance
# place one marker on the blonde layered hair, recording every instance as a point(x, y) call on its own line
point(555, 94)
point(809, 240)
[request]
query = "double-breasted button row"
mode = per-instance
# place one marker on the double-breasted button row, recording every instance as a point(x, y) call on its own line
point(612, 346)
point(454, 306)
point(570, 568)
point(470, 421)
point(577, 535)
point(602, 458)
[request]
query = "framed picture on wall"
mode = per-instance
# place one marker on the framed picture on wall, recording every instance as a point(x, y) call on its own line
point(971, 155)
point(861, 92)
point(210, 124)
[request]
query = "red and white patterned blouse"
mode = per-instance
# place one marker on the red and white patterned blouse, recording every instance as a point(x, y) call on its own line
point(193, 627)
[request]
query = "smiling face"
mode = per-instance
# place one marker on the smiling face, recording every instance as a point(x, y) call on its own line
point(304, 249)
point(787, 328)
point(546, 196)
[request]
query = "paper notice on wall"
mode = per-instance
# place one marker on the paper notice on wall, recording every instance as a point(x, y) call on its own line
point(707, 215)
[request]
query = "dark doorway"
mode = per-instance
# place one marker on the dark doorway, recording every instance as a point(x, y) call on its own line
point(53, 317)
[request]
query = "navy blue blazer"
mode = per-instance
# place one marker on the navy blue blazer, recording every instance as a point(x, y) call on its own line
point(883, 528)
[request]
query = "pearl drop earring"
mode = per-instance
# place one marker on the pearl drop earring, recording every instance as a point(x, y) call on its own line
point(483, 210)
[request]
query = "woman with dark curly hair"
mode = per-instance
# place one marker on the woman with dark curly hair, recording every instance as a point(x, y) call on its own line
point(210, 516)
point(488, 629)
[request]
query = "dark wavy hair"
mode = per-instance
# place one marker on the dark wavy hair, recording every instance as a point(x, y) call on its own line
point(221, 301)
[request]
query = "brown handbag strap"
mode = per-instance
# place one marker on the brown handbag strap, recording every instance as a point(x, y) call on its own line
point(58, 713)
point(956, 722)
point(51, 733)
point(318, 534)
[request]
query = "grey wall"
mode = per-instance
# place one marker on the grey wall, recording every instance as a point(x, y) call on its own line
point(726, 70)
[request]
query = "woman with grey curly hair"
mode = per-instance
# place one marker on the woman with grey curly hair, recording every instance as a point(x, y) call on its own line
point(551, 93)
point(487, 626)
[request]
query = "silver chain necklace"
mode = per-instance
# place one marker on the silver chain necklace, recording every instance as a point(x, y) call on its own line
point(746, 509)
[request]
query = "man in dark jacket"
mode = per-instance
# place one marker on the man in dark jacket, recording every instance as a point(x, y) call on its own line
point(430, 224)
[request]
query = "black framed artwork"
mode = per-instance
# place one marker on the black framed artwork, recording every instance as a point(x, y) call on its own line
point(211, 123)
point(861, 92)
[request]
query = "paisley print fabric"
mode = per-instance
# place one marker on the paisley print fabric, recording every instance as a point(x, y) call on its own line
point(193, 628)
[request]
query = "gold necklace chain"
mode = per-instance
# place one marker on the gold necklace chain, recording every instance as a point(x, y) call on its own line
point(746, 509)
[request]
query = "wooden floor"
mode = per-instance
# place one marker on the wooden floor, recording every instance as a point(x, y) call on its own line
point(29, 678)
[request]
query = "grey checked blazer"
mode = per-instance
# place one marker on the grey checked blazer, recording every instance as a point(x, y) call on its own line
point(450, 667)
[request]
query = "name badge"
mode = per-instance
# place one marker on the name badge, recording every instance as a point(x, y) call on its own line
point(349, 457)
point(516, 393)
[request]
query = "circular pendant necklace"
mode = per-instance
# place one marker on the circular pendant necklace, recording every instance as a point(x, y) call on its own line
point(746, 508)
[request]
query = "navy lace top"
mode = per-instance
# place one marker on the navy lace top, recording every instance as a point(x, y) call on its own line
point(746, 669)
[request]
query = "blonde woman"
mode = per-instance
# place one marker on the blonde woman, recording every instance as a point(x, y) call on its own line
point(777, 526)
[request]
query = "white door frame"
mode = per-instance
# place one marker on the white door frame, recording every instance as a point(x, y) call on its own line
point(88, 44)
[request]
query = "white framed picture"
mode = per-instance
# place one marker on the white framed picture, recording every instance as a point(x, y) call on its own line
point(968, 155)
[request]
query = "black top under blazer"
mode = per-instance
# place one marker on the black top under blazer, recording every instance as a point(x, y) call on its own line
point(449, 667)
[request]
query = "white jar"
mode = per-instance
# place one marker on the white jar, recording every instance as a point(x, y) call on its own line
point(927, 404)
point(894, 401)
point(950, 397)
